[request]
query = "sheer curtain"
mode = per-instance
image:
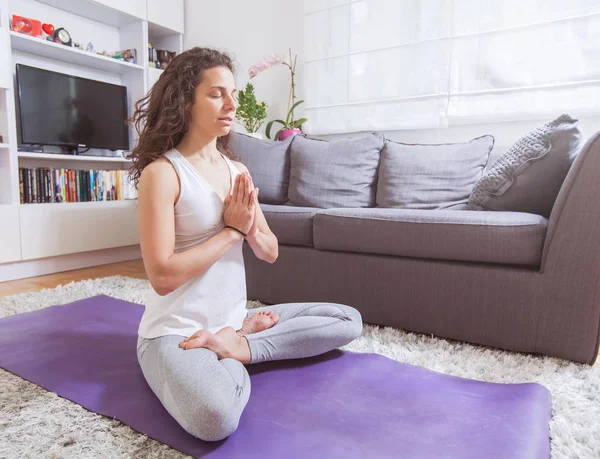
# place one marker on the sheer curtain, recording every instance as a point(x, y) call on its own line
point(420, 64)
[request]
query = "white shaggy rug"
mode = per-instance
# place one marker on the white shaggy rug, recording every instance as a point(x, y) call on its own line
point(37, 423)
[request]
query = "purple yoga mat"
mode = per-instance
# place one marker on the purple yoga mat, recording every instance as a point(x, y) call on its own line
point(338, 405)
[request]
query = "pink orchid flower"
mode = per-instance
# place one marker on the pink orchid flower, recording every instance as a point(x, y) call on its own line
point(264, 64)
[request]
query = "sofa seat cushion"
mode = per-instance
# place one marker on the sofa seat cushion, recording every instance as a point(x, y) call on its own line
point(292, 225)
point(492, 237)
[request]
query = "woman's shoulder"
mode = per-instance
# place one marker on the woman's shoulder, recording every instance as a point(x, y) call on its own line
point(160, 170)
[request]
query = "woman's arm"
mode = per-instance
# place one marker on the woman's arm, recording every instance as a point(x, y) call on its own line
point(158, 191)
point(260, 238)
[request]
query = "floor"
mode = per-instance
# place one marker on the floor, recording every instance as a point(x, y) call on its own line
point(134, 268)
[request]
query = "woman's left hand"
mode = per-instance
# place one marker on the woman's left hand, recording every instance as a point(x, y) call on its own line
point(254, 229)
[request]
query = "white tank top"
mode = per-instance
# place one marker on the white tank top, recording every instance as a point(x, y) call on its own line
point(215, 298)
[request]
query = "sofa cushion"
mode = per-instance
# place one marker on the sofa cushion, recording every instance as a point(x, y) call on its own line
point(492, 237)
point(268, 162)
point(334, 174)
point(442, 176)
point(528, 176)
point(291, 225)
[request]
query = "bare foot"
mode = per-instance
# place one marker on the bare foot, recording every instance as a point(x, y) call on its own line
point(258, 322)
point(226, 343)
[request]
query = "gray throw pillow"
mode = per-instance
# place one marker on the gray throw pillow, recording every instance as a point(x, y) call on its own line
point(528, 176)
point(442, 176)
point(268, 162)
point(334, 174)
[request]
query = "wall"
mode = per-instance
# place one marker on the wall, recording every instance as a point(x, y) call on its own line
point(249, 31)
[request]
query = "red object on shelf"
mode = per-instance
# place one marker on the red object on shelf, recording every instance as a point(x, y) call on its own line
point(48, 28)
point(26, 26)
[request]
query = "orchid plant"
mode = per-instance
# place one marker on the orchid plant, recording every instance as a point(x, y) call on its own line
point(290, 122)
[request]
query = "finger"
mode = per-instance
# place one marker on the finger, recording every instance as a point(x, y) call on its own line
point(246, 186)
point(252, 200)
point(238, 193)
point(257, 190)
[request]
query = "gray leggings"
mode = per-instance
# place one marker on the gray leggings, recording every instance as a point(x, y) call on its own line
point(206, 396)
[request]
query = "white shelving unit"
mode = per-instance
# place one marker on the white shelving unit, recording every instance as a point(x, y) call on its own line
point(59, 157)
point(32, 232)
point(48, 49)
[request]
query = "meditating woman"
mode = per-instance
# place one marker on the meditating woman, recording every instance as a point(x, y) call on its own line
point(197, 207)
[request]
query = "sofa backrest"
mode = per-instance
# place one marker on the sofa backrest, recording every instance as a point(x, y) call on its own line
point(268, 163)
point(431, 176)
point(328, 174)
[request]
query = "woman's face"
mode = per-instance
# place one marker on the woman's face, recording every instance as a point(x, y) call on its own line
point(213, 110)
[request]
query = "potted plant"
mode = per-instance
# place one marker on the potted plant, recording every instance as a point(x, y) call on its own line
point(290, 126)
point(250, 113)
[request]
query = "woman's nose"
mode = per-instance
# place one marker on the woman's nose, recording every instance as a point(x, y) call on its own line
point(230, 103)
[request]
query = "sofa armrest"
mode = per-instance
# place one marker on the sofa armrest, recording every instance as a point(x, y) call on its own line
point(567, 293)
point(573, 236)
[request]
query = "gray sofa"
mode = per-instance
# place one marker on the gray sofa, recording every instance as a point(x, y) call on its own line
point(514, 280)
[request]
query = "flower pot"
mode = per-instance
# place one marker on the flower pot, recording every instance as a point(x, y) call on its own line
point(256, 135)
point(285, 133)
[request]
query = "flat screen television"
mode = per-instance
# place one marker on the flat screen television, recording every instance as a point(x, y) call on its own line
point(72, 112)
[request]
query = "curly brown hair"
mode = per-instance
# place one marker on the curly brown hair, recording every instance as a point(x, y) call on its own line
point(161, 118)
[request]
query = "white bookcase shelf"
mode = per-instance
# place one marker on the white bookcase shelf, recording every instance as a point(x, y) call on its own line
point(87, 205)
point(58, 157)
point(51, 50)
point(36, 231)
point(116, 13)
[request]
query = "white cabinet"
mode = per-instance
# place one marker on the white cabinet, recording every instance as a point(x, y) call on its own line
point(10, 242)
point(167, 14)
point(153, 76)
point(5, 70)
point(135, 8)
point(48, 230)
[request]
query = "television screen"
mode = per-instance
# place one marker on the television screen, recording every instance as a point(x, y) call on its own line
point(60, 109)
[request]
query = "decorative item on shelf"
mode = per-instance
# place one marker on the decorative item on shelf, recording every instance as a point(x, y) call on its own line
point(77, 45)
point(291, 126)
point(164, 57)
point(152, 64)
point(129, 55)
point(48, 30)
point(152, 58)
point(27, 26)
point(90, 48)
point(250, 113)
point(62, 36)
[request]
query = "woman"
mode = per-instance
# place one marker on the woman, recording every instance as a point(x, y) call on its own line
point(196, 207)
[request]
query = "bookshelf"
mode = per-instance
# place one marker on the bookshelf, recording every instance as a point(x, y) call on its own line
point(36, 232)
point(59, 157)
point(48, 49)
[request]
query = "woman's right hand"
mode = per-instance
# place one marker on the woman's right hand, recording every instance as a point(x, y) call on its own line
point(239, 205)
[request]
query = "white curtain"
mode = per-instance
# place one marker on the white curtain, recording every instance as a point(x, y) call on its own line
point(418, 64)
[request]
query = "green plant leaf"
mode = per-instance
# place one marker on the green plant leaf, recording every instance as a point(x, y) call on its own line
point(289, 115)
point(270, 124)
point(298, 123)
